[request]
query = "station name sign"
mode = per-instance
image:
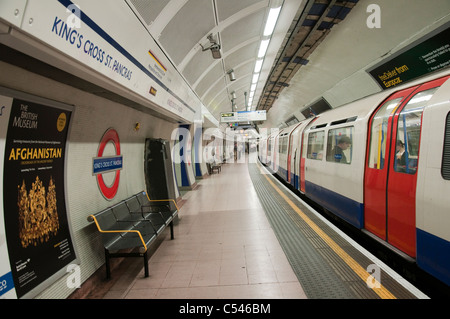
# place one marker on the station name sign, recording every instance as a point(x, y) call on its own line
point(243, 116)
point(107, 164)
point(427, 55)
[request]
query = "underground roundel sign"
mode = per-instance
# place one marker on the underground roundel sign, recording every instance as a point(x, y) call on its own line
point(112, 163)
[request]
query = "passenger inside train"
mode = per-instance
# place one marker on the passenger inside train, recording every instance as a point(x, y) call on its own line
point(400, 157)
point(338, 152)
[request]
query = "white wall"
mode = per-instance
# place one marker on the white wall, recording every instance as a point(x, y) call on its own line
point(92, 116)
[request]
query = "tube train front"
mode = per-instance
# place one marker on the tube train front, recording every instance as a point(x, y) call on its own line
point(382, 164)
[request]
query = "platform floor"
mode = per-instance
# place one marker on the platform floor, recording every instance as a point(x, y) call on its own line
point(239, 236)
point(224, 247)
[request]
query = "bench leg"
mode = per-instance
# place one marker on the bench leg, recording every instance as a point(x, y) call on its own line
point(146, 264)
point(108, 267)
point(171, 230)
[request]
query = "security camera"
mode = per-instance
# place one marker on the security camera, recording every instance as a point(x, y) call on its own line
point(214, 47)
point(232, 75)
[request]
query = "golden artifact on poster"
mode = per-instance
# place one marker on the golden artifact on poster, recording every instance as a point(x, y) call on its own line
point(38, 215)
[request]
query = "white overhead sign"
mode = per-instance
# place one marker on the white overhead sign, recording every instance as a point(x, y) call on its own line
point(242, 116)
point(93, 34)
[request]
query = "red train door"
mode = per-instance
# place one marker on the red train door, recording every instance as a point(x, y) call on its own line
point(289, 155)
point(397, 168)
point(302, 154)
point(376, 173)
point(302, 185)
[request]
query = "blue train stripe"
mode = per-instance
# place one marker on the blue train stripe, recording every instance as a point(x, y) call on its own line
point(344, 207)
point(282, 173)
point(433, 255)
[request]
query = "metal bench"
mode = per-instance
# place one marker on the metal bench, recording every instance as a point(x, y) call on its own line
point(133, 224)
point(217, 167)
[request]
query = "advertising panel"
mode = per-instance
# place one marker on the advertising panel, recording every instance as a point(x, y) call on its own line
point(6, 281)
point(35, 237)
point(418, 59)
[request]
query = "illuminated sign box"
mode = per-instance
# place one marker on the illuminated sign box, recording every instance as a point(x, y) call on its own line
point(242, 116)
point(428, 54)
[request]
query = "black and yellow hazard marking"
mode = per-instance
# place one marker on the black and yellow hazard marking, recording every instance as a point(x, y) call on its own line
point(326, 265)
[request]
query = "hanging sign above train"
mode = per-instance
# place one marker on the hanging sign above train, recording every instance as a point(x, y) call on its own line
point(428, 54)
point(85, 41)
point(243, 116)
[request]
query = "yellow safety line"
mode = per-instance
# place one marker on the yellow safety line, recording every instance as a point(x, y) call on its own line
point(360, 271)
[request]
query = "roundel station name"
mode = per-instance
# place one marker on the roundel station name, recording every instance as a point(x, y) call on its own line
point(105, 164)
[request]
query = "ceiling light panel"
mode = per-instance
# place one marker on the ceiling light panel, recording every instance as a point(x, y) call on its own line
point(263, 48)
point(258, 65)
point(271, 21)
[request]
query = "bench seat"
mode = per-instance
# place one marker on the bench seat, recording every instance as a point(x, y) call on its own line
point(131, 224)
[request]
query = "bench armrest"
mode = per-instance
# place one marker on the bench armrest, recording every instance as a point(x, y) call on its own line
point(163, 200)
point(92, 218)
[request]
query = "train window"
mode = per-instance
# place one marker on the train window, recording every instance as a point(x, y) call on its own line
point(304, 146)
point(315, 145)
point(282, 148)
point(378, 133)
point(339, 145)
point(446, 158)
point(408, 133)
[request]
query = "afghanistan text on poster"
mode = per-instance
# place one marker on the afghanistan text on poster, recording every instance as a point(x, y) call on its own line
point(35, 217)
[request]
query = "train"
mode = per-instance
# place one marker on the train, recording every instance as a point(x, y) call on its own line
point(381, 164)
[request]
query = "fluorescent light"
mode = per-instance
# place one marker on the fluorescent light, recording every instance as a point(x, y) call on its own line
point(255, 78)
point(263, 48)
point(258, 65)
point(253, 87)
point(271, 21)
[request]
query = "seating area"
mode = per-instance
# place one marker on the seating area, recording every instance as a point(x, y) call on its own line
point(216, 167)
point(129, 227)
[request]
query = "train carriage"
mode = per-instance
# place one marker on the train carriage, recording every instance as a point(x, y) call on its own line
point(272, 155)
point(392, 165)
point(262, 149)
point(382, 164)
point(279, 154)
point(283, 142)
point(433, 187)
point(293, 160)
point(334, 159)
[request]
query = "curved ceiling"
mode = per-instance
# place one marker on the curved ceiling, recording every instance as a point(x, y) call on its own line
point(309, 56)
point(185, 29)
